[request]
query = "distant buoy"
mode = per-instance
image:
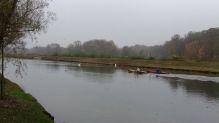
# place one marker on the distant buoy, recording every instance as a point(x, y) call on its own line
point(115, 65)
point(79, 65)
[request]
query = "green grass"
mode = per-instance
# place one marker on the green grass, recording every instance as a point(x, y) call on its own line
point(19, 107)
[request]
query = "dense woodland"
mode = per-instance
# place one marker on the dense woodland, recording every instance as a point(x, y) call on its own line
point(202, 45)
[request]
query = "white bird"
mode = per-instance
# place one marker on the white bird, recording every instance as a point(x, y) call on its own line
point(79, 65)
point(115, 65)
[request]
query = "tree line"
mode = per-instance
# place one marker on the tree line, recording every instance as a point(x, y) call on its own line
point(202, 45)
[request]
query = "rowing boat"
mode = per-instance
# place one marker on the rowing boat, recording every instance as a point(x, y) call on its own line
point(136, 71)
point(157, 72)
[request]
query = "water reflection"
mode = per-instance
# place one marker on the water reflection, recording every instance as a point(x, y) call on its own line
point(210, 90)
point(73, 66)
point(52, 67)
point(95, 69)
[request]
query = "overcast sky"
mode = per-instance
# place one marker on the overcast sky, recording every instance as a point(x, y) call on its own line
point(128, 22)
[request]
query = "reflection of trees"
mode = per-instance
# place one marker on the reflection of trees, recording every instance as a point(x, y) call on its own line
point(100, 74)
point(95, 69)
point(99, 69)
point(53, 67)
point(93, 73)
point(207, 89)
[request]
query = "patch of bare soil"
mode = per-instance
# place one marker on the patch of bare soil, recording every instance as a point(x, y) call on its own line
point(10, 102)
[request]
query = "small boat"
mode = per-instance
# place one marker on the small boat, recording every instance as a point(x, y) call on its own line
point(131, 71)
point(157, 72)
point(140, 72)
point(136, 71)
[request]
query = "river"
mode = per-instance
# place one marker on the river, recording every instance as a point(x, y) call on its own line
point(105, 94)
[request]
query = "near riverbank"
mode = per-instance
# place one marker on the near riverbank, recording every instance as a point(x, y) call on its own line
point(19, 107)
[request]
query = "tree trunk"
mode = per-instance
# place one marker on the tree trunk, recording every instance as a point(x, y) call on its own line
point(5, 22)
point(2, 70)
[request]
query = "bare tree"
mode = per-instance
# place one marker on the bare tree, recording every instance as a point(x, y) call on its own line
point(19, 18)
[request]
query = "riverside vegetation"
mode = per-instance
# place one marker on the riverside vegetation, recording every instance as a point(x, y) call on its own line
point(203, 46)
point(19, 107)
point(196, 51)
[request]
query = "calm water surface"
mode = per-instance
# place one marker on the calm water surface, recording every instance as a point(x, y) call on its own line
point(98, 94)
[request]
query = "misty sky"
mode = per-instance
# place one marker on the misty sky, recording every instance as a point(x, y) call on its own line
point(128, 22)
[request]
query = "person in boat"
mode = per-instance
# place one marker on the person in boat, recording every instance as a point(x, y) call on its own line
point(138, 69)
point(158, 71)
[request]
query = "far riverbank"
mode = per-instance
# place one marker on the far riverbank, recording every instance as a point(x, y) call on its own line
point(207, 67)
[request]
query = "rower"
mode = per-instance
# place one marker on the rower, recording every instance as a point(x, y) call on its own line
point(158, 71)
point(138, 69)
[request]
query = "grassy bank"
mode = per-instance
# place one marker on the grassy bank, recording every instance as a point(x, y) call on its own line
point(19, 107)
point(211, 67)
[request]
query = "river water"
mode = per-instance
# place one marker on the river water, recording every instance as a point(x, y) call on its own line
point(104, 94)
